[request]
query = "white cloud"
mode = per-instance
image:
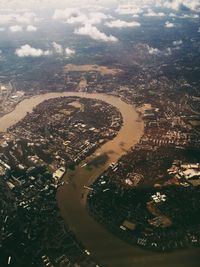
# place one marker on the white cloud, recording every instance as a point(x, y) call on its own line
point(133, 4)
point(155, 51)
point(66, 14)
point(96, 17)
point(122, 24)
point(177, 4)
point(190, 16)
point(172, 15)
point(57, 48)
point(74, 15)
point(177, 43)
point(94, 33)
point(152, 13)
point(6, 18)
point(169, 24)
point(16, 28)
point(31, 28)
point(184, 16)
point(70, 52)
point(28, 51)
point(2, 29)
point(168, 51)
point(174, 4)
point(137, 6)
point(22, 18)
point(152, 50)
point(44, 4)
point(129, 9)
point(25, 18)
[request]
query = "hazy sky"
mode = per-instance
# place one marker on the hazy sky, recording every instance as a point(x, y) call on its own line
point(37, 4)
point(51, 3)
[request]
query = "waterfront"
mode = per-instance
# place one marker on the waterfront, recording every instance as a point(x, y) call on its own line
point(106, 248)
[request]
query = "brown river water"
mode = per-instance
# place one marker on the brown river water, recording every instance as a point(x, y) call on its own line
point(107, 249)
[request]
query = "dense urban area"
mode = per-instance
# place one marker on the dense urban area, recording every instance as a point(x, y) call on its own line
point(35, 154)
point(60, 132)
point(143, 198)
point(150, 197)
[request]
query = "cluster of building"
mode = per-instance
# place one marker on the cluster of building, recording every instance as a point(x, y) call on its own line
point(166, 158)
point(34, 156)
point(160, 219)
point(186, 174)
point(9, 97)
point(172, 118)
point(32, 232)
point(147, 195)
point(149, 198)
point(60, 132)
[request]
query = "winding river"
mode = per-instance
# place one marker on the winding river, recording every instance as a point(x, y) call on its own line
point(106, 248)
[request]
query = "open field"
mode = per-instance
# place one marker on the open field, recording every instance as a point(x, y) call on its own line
point(87, 68)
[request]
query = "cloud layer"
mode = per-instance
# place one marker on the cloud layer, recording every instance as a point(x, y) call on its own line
point(16, 28)
point(169, 24)
point(31, 28)
point(94, 33)
point(122, 24)
point(152, 50)
point(22, 18)
point(74, 16)
point(70, 52)
point(137, 6)
point(58, 49)
point(28, 51)
point(130, 8)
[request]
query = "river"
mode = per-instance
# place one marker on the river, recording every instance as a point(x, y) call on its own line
point(107, 249)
